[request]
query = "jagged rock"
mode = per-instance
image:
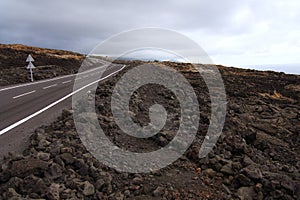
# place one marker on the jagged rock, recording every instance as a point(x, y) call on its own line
point(29, 165)
point(67, 158)
point(274, 180)
point(88, 188)
point(66, 113)
point(246, 193)
point(67, 150)
point(243, 180)
point(210, 172)
point(119, 196)
point(250, 137)
point(5, 176)
point(43, 156)
point(33, 184)
point(104, 182)
point(235, 107)
point(158, 192)
point(53, 191)
point(54, 172)
point(247, 161)
point(227, 169)
point(137, 180)
point(12, 194)
point(43, 143)
point(253, 172)
point(68, 194)
point(15, 182)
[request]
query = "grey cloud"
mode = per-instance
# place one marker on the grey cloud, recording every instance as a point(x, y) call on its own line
point(72, 21)
point(231, 31)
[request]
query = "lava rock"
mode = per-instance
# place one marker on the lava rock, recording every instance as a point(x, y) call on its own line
point(246, 193)
point(43, 156)
point(27, 166)
point(253, 172)
point(88, 188)
point(158, 192)
point(227, 169)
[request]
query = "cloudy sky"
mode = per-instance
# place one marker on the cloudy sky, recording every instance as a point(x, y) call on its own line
point(234, 33)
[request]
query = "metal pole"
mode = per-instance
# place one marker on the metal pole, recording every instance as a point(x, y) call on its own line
point(31, 76)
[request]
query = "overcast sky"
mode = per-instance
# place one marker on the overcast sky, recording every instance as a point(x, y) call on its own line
point(232, 32)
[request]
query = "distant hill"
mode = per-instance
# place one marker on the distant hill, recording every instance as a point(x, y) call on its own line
point(42, 56)
point(292, 68)
point(53, 62)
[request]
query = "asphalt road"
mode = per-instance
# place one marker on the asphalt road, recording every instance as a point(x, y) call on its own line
point(25, 107)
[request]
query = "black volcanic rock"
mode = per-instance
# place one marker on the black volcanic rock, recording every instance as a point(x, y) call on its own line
point(256, 157)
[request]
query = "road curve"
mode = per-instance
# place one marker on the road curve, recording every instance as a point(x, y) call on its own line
point(25, 107)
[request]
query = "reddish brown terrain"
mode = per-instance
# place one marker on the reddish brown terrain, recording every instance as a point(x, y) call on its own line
point(256, 157)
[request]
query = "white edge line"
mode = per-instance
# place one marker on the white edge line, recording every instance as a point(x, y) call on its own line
point(53, 79)
point(49, 86)
point(66, 81)
point(15, 97)
point(37, 82)
point(53, 104)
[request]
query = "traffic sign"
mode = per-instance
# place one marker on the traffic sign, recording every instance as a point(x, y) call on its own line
point(30, 66)
point(29, 59)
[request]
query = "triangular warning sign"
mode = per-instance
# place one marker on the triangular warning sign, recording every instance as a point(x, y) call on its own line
point(29, 59)
point(30, 66)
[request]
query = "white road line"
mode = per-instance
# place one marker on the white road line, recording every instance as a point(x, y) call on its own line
point(24, 94)
point(56, 78)
point(77, 78)
point(49, 86)
point(54, 103)
point(66, 81)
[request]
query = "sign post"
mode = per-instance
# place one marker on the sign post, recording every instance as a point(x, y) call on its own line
point(30, 66)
